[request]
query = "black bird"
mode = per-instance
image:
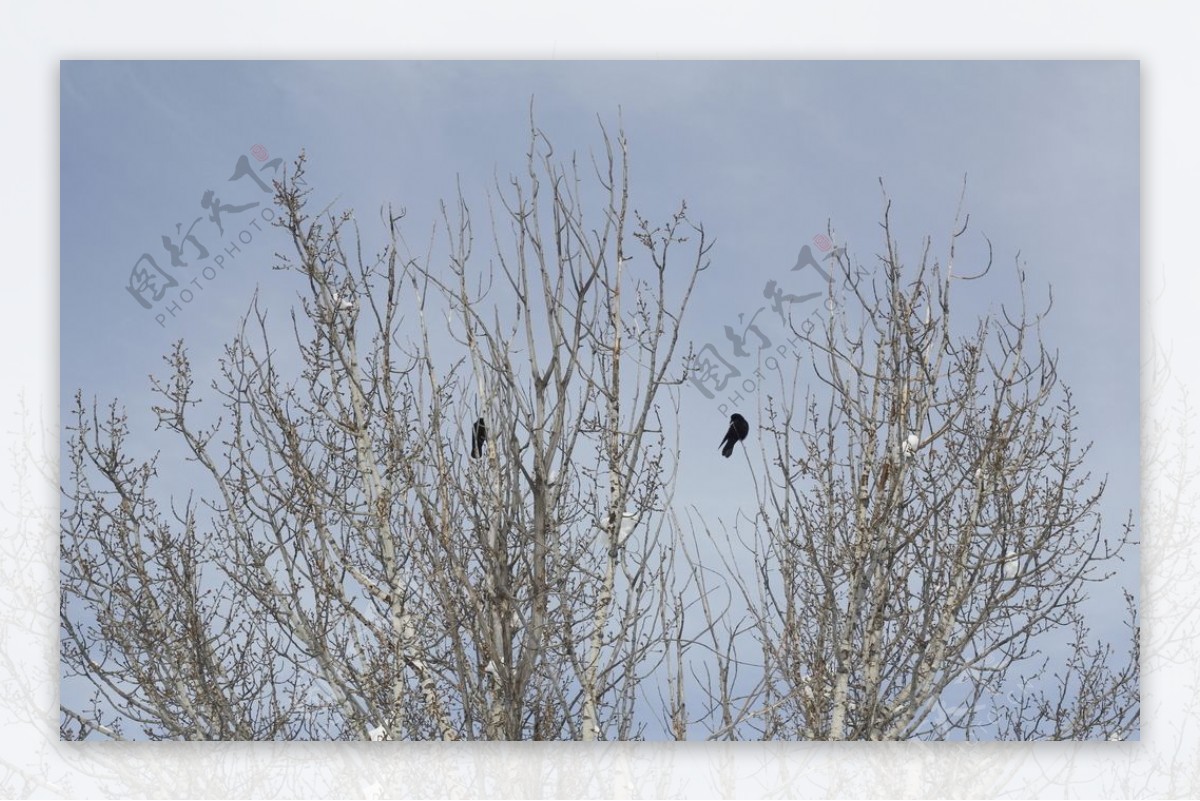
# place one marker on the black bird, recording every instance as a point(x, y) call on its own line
point(479, 436)
point(738, 429)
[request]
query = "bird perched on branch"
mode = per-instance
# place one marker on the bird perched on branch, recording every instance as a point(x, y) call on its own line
point(738, 430)
point(478, 438)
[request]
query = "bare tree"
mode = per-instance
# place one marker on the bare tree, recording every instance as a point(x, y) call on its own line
point(927, 529)
point(438, 505)
point(430, 520)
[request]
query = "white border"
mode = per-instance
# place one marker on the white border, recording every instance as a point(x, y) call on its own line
point(34, 37)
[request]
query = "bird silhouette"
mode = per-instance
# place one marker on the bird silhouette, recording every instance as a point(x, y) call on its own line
point(478, 437)
point(738, 429)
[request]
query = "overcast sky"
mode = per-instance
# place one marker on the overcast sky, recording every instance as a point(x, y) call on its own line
point(765, 153)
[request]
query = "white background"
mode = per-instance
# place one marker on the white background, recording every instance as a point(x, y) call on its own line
point(35, 38)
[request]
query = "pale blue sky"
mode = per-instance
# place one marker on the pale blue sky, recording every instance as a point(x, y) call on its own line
point(764, 152)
